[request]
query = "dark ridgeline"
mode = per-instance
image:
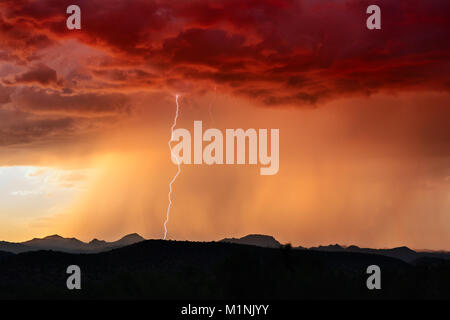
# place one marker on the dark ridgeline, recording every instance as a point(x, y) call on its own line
point(259, 240)
point(71, 245)
point(219, 270)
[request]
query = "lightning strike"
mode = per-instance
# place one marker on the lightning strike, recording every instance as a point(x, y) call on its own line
point(178, 163)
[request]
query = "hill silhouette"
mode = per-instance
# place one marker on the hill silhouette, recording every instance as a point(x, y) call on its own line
point(71, 245)
point(402, 253)
point(259, 240)
point(219, 270)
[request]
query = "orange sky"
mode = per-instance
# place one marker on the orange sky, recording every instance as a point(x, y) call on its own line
point(364, 120)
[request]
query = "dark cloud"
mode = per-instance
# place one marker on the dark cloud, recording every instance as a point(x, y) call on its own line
point(294, 52)
point(82, 105)
point(22, 128)
point(5, 93)
point(206, 47)
point(20, 42)
point(134, 77)
point(39, 74)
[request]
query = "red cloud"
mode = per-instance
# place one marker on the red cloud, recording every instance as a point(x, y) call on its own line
point(82, 104)
point(281, 52)
point(39, 74)
point(20, 128)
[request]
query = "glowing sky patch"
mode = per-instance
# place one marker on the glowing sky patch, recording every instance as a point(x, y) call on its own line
point(27, 191)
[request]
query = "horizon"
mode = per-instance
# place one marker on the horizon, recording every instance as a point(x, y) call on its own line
point(87, 241)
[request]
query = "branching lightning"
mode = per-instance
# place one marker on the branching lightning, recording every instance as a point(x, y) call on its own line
point(178, 164)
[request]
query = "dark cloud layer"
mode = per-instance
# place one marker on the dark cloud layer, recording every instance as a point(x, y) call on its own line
point(278, 52)
point(38, 74)
point(19, 128)
point(87, 105)
point(260, 46)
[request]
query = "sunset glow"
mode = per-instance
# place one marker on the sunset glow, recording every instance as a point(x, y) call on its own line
point(364, 120)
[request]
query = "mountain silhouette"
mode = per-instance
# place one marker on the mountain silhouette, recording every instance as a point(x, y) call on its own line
point(55, 242)
point(259, 240)
point(128, 239)
point(403, 253)
point(70, 245)
point(95, 243)
point(158, 269)
point(73, 245)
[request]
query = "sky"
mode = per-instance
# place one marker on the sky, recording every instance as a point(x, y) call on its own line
point(364, 119)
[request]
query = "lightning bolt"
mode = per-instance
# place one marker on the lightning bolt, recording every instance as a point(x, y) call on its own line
point(178, 164)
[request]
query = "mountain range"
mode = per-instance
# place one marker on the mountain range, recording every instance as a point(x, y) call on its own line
point(73, 245)
point(160, 269)
point(69, 245)
point(403, 253)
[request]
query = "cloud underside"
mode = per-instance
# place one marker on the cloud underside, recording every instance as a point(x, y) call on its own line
point(282, 52)
point(275, 52)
